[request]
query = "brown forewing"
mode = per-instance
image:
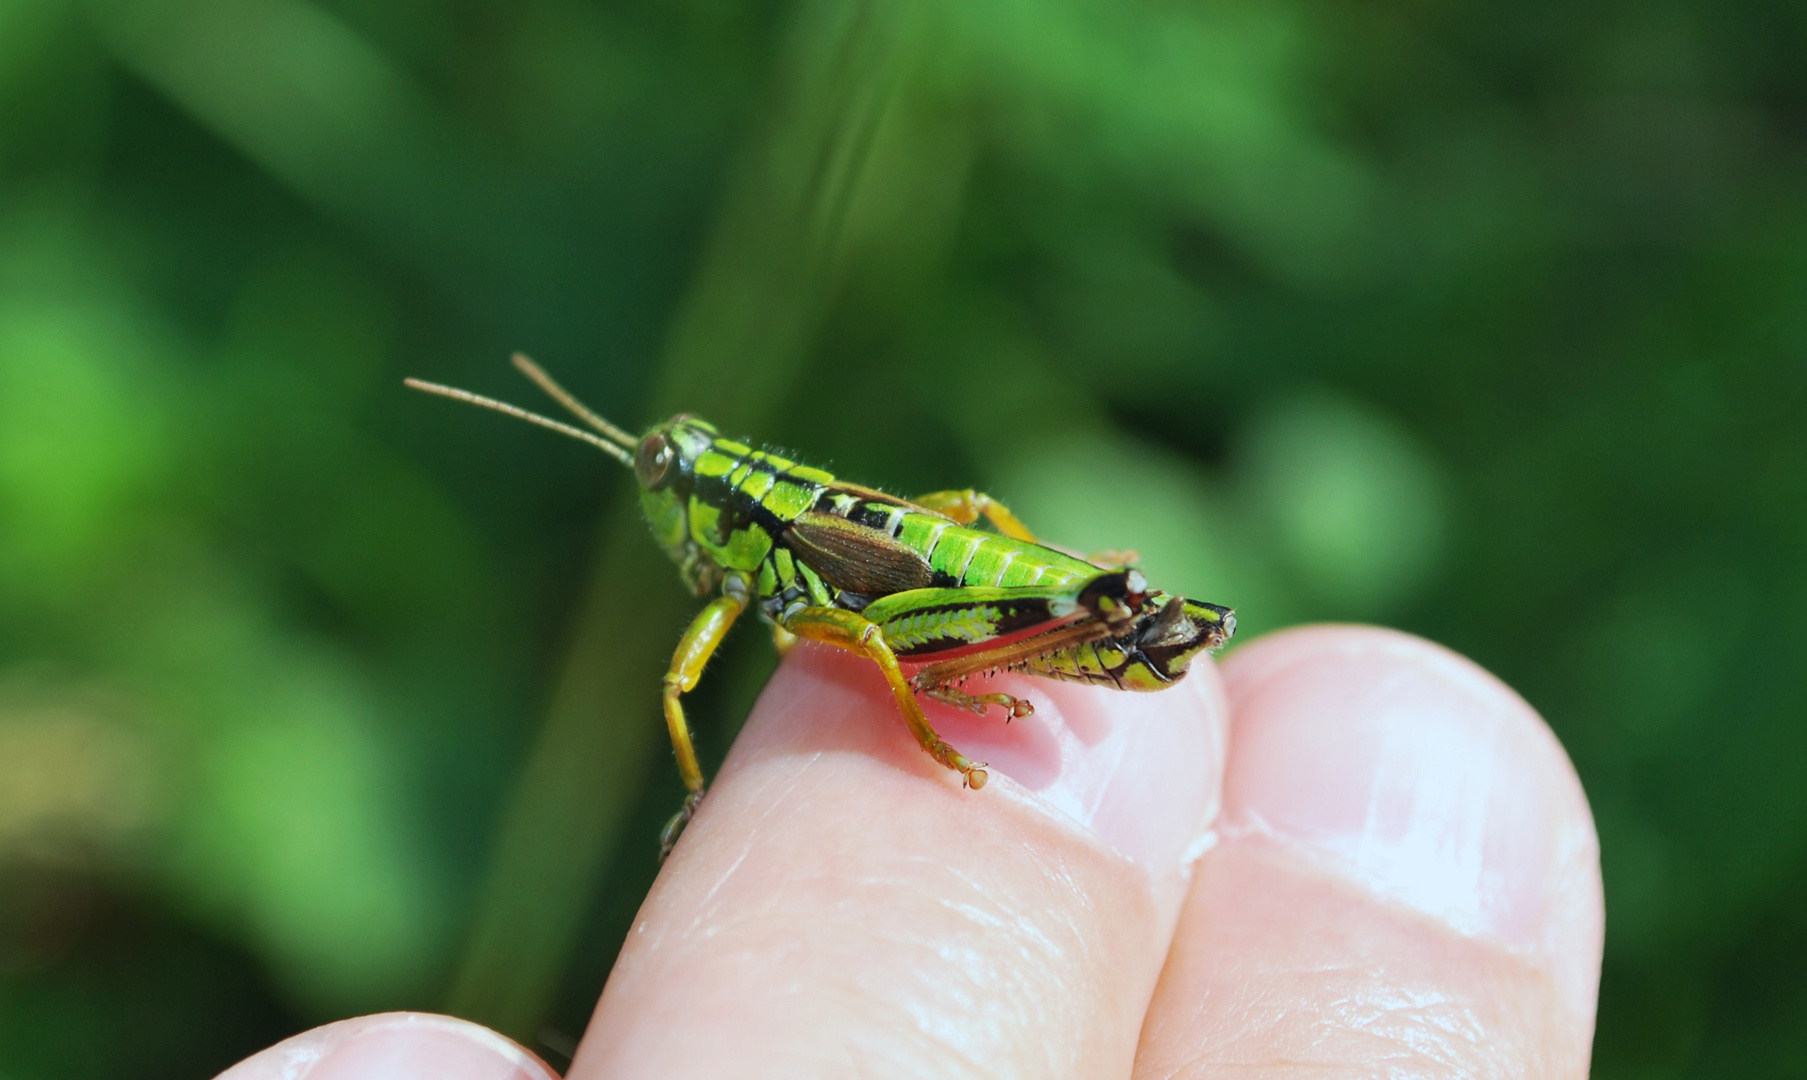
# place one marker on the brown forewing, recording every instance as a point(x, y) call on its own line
point(857, 558)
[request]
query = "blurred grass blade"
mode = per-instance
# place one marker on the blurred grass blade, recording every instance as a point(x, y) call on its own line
point(315, 105)
point(735, 351)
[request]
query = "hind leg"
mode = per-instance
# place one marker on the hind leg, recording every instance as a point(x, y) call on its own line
point(858, 634)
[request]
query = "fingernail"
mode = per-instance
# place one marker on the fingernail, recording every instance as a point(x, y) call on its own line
point(1415, 772)
point(395, 1046)
point(1141, 771)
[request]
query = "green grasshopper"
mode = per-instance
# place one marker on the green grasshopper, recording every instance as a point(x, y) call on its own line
point(897, 581)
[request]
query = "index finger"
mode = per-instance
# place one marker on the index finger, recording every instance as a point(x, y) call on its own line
point(841, 904)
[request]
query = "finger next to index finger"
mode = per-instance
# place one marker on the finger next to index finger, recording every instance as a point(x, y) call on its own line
point(842, 906)
point(394, 1046)
point(1408, 879)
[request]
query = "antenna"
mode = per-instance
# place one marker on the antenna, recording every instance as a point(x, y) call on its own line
point(572, 405)
point(613, 450)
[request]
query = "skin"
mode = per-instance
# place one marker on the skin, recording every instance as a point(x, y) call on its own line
point(1347, 852)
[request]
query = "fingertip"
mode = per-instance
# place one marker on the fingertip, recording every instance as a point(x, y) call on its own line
point(1416, 773)
point(1141, 772)
point(394, 1046)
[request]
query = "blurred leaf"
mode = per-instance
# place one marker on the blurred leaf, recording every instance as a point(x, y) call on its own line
point(1357, 506)
point(82, 441)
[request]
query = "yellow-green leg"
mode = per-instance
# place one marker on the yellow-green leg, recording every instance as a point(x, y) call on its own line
point(858, 634)
point(966, 506)
point(783, 641)
point(1014, 707)
point(706, 632)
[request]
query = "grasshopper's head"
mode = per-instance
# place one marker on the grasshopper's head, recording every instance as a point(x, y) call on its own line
point(665, 466)
point(663, 460)
point(1168, 635)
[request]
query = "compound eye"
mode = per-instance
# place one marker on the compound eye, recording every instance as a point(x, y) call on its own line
point(652, 463)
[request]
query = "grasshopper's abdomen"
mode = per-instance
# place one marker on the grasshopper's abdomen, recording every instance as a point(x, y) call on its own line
point(971, 558)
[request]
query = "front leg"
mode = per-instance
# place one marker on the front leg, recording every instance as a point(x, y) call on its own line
point(965, 507)
point(706, 632)
point(858, 634)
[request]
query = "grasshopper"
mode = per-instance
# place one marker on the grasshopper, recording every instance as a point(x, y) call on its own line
point(896, 581)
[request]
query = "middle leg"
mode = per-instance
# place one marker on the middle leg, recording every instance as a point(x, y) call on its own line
point(1015, 708)
point(966, 506)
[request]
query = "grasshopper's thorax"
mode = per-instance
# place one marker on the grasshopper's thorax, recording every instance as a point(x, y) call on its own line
point(715, 505)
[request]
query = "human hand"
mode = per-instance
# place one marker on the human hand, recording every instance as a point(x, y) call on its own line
point(1403, 879)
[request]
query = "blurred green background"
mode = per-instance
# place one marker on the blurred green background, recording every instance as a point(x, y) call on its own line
point(1485, 320)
